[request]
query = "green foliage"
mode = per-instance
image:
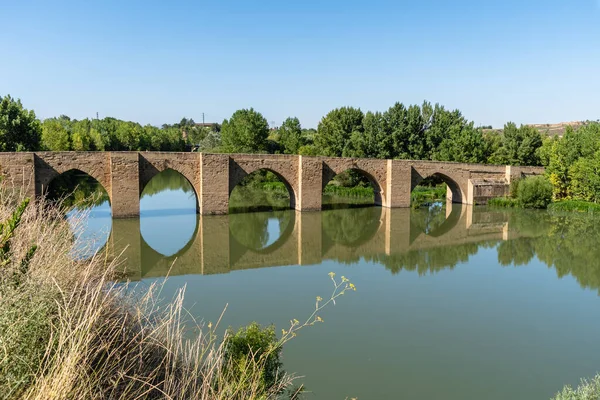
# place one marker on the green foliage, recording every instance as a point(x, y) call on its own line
point(336, 129)
point(584, 177)
point(426, 195)
point(587, 390)
point(570, 158)
point(56, 134)
point(357, 191)
point(374, 141)
point(253, 342)
point(260, 191)
point(110, 134)
point(27, 315)
point(245, 132)
point(462, 144)
point(290, 135)
point(211, 143)
point(350, 178)
point(519, 146)
point(7, 232)
point(535, 192)
point(24, 322)
point(20, 130)
point(514, 187)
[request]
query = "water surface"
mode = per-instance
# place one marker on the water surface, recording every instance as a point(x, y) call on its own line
point(452, 302)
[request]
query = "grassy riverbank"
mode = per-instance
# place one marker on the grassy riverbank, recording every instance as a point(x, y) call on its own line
point(69, 331)
point(574, 205)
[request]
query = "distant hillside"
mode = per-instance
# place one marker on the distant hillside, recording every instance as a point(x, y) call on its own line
point(551, 129)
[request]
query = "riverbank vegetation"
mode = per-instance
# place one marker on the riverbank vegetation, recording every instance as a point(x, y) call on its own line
point(69, 330)
point(587, 390)
point(572, 179)
point(532, 192)
point(574, 205)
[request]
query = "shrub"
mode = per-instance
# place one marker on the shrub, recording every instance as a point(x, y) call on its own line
point(534, 192)
point(514, 187)
point(254, 342)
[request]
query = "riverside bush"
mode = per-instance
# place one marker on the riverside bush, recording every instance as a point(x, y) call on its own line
point(534, 192)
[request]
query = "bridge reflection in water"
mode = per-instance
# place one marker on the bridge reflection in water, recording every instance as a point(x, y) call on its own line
point(225, 243)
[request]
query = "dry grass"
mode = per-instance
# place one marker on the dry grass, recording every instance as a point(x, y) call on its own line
point(67, 331)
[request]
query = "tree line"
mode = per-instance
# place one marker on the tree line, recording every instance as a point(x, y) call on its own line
point(425, 132)
point(420, 132)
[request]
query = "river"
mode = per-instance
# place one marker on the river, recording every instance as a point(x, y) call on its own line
point(452, 302)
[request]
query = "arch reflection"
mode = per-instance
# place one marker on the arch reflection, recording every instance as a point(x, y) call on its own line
point(168, 221)
point(224, 243)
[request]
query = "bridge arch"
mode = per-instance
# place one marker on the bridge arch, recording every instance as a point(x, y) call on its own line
point(168, 202)
point(53, 165)
point(456, 193)
point(378, 188)
point(172, 179)
point(60, 184)
point(241, 177)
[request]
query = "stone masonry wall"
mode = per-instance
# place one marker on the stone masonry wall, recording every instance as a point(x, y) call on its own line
point(213, 176)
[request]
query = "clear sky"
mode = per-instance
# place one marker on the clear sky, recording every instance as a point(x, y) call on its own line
point(528, 61)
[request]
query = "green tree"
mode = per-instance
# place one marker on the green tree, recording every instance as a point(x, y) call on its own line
point(290, 135)
point(415, 125)
point(80, 137)
point(20, 130)
point(561, 154)
point(396, 119)
point(375, 141)
point(444, 125)
point(519, 146)
point(56, 135)
point(336, 129)
point(245, 132)
point(463, 145)
point(584, 176)
point(534, 192)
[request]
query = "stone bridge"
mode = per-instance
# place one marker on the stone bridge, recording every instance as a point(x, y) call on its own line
point(307, 239)
point(213, 176)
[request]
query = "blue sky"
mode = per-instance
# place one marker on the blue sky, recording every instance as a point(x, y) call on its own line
point(527, 61)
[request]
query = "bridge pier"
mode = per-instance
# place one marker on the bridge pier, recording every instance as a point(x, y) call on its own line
point(124, 191)
point(214, 184)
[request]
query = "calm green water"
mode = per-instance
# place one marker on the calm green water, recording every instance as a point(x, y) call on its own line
point(452, 303)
